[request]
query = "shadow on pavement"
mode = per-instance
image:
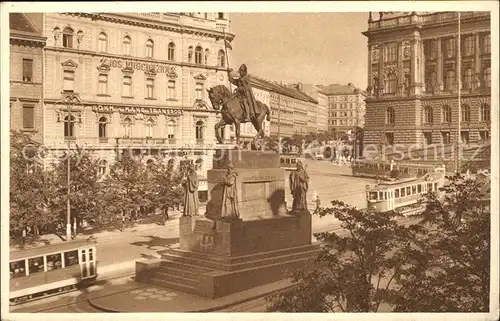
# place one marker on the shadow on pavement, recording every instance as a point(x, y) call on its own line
point(155, 241)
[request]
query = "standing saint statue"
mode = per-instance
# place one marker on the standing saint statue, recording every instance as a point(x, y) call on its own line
point(299, 184)
point(230, 194)
point(191, 184)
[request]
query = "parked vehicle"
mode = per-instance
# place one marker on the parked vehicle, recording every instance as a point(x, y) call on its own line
point(289, 161)
point(50, 269)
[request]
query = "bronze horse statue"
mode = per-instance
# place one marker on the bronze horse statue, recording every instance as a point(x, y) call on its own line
point(232, 112)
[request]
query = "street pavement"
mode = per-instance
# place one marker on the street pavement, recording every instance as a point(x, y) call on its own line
point(117, 251)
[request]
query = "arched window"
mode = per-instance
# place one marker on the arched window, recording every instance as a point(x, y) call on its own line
point(485, 112)
point(69, 126)
point(207, 55)
point(198, 55)
point(127, 45)
point(171, 163)
point(149, 48)
point(199, 130)
point(103, 84)
point(102, 127)
point(465, 113)
point(468, 79)
point(446, 114)
point(103, 167)
point(390, 117)
point(127, 125)
point(171, 51)
point(487, 77)
point(68, 34)
point(428, 117)
point(449, 80)
point(198, 164)
point(171, 129)
point(149, 128)
point(391, 84)
point(102, 44)
point(221, 59)
point(430, 81)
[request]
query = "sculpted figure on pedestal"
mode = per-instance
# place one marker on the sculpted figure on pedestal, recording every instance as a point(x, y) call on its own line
point(191, 204)
point(299, 185)
point(230, 195)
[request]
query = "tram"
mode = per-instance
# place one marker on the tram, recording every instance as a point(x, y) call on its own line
point(289, 161)
point(403, 195)
point(50, 269)
point(382, 170)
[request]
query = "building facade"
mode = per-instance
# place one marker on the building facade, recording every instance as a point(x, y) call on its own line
point(414, 73)
point(346, 107)
point(139, 84)
point(291, 109)
point(318, 117)
point(26, 77)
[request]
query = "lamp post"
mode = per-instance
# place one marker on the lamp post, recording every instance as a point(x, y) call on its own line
point(68, 100)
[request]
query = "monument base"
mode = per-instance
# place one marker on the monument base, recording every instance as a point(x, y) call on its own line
point(220, 258)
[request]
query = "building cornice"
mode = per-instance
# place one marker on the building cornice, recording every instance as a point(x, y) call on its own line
point(17, 38)
point(154, 24)
point(132, 58)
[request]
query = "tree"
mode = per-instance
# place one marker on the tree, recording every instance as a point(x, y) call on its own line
point(30, 187)
point(351, 273)
point(448, 269)
point(85, 187)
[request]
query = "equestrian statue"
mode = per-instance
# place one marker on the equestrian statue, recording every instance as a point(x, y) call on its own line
point(239, 107)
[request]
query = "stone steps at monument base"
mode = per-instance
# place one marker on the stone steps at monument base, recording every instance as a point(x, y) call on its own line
point(227, 266)
point(173, 276)
point(181, 269)
point(173, 285)
point(241, 258)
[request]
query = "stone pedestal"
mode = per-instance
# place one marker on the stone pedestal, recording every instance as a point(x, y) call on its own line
point(218, 257)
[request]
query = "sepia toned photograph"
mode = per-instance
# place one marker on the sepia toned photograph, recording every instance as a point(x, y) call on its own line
point(266, 161)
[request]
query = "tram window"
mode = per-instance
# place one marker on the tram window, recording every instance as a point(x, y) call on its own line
point(373, 196)
point(403, 192)
point(419, 188)
point(429, 187)
point(17, 269)
point(380, 195)
point(294, 161)
point(282, 160)
point(91, 255)
point(54, 262)
point(396, 193)
point(70, 258)
point(408, 190)
point(435, 186)
point(35, 264)
point(414, 189)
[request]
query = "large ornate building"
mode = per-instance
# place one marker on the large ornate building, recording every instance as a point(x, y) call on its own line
point(346, 107)
point(26, 77)
point(413, 76)
point(139, 84)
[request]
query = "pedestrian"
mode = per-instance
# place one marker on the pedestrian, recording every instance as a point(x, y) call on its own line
point(318, 203)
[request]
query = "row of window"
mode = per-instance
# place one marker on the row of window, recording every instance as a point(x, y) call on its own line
point(200, 56)
point(484, 135)
point(402, 192)
point(468, 44)
point(69, 128)
point(484, 114)
point(344, 122)
point(103, 80)
point(469, 80)
point(342, 114)
point(343, 106)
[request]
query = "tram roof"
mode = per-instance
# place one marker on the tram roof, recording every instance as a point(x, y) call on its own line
point(42, 250)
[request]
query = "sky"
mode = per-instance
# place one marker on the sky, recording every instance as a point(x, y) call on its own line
point(312, 48)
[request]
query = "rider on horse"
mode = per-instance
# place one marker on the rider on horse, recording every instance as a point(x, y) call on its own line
point(241, 79)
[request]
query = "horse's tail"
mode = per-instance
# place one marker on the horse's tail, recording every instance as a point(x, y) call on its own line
point(268, 113)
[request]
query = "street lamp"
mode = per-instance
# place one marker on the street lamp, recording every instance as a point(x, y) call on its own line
point(68, 100)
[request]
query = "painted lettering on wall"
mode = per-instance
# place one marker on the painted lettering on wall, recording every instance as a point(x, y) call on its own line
point(137, 65)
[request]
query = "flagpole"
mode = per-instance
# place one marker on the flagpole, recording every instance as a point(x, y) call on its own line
point(227, 56)
point(459, 82)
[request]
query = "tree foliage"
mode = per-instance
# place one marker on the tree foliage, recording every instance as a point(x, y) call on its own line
point(438, 263)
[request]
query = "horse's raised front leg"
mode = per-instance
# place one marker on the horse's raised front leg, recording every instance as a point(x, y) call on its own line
point(217, 127)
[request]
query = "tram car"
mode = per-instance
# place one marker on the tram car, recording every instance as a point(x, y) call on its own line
point(289, 161)
point(403, 195)
point(50, 269)
point(382, 170)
